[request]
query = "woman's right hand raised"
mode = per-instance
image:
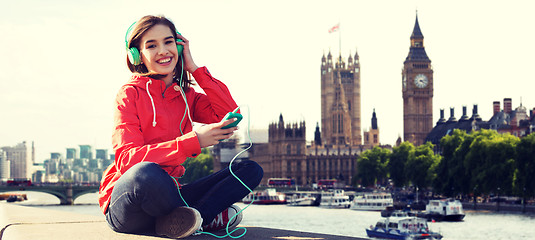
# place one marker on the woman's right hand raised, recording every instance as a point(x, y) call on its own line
point(189, 64)
point(211, 134)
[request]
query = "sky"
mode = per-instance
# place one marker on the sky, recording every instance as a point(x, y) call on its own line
point(62, 62)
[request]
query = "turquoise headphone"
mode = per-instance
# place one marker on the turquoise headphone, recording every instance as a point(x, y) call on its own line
point(133, 53)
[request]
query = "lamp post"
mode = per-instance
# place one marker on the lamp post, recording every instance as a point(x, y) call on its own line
point(524, 199)
point(498, 201)
point(475, 198)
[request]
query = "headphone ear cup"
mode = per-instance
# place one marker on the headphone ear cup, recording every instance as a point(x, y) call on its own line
point(133, 56)
point(179, 47)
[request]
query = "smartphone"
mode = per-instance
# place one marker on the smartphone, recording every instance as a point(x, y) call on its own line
point(233, 114)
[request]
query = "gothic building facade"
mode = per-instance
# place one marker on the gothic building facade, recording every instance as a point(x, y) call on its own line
point(333, 153)
point(340, 101)
point(287, 155)
point(335, 149)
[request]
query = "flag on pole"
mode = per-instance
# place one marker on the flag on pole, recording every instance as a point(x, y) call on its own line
point(335, 28)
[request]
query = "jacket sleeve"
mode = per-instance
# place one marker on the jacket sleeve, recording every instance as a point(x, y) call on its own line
point(128, 142)
point(216, 103)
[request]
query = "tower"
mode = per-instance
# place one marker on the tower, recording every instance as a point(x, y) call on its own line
point(417, 90)
point(340, 101)
point(371, 137)
point(287, 147)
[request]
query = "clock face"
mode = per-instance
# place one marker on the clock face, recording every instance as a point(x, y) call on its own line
point(421, 81)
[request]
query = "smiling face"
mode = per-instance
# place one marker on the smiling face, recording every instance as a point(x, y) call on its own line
point(158, 51)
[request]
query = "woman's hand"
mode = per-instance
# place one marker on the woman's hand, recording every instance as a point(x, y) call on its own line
point(211, 134)
point(189, 64)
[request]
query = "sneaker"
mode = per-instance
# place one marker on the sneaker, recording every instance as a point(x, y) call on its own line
point(181, 222)
point(221, 220)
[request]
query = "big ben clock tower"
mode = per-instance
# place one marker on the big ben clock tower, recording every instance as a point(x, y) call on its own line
point(417, 89)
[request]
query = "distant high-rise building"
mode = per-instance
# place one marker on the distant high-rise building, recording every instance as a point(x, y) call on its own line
point(4, 166)
point(102, 154)
point(21, 160)
point(71, 153)
point(55, 155)
point(86, 152)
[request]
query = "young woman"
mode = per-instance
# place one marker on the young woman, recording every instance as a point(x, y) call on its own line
point(153, 136)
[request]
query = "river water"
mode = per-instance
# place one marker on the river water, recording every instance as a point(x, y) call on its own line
point(476, 225)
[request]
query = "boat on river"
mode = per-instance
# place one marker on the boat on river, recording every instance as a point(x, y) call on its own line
point(372, 201)
point(444, 210)
point(303, 199)
point(402, 226)
point(334, 199)
point(13, 197)
point(268, 196)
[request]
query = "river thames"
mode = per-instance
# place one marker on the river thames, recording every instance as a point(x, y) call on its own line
point(477, 225)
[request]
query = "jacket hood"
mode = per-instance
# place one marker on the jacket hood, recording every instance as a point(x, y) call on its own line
point(141, 81)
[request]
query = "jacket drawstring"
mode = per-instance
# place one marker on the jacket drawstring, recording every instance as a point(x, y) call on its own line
point(152, 102)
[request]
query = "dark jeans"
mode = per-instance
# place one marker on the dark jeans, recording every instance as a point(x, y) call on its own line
point(146, 192)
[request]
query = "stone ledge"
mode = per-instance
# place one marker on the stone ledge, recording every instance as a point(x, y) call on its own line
point(21, 222)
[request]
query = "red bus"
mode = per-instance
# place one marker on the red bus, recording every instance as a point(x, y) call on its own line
point(281, 182)
point(19, 182)
point(329, 183)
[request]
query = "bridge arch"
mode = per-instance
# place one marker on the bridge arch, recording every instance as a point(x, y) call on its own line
point(65, 193)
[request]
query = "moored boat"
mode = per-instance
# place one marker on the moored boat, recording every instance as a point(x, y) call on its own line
point(444, 210)
point(401, 226)
point(372, 201)
point(268, 196)
point(334, 199)
point(303, 199)
point(13, 197)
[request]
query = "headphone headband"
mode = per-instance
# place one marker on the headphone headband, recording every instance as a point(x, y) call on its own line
point(128, 32)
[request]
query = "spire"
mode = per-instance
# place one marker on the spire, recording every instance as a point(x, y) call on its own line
point(417, 50)
point(374, 120)
point(317, 135)
point(416, 32)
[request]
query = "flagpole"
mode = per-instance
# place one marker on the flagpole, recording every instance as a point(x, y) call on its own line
point(340, 40)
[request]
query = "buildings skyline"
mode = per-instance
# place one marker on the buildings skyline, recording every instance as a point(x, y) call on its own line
point(18, 162)
point(465, 52)
point(474, 50)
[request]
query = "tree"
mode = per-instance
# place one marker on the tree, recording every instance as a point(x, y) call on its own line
point(396, 164)
point(420, 165)
point(491, 159)
point(198, 167)
point(371, 166)
point(524, 176)
point(451, 173)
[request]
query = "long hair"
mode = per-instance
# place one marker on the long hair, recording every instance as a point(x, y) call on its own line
point(134, 40)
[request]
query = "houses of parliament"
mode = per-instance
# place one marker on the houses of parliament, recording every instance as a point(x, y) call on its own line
point(335, 148)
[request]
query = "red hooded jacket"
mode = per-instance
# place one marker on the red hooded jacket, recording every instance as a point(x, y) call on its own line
point(146, 125)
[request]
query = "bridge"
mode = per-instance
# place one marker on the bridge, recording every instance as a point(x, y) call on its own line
point(66, 193)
